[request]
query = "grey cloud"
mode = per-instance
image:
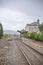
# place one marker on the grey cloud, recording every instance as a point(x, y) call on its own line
point(32, 8)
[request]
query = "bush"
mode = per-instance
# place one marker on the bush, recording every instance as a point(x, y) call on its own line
point(5, 36)
point(26, 35)
point(35, 36)
point(41, 37)
point(32, 35)
point(1, 30)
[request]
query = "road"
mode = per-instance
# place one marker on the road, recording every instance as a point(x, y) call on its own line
point(10, 54)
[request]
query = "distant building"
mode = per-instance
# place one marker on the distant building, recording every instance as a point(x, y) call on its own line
point(33, 27)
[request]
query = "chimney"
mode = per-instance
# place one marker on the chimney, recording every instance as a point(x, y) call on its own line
point(38, 21)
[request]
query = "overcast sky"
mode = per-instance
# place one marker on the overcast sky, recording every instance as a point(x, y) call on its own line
point(15, 14)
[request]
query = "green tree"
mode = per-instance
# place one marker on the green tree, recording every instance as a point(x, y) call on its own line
point(1, 30)
point(22, 33)
point(41, 28)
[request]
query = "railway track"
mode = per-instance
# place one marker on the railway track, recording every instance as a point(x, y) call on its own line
point(33, 45)
point(24, 55)
point(11, 55)
point(32, 56)
point(19, 53)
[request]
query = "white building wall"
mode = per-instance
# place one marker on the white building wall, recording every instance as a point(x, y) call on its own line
point(32, 28)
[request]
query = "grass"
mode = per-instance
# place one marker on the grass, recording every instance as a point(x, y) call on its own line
point(5, 37)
